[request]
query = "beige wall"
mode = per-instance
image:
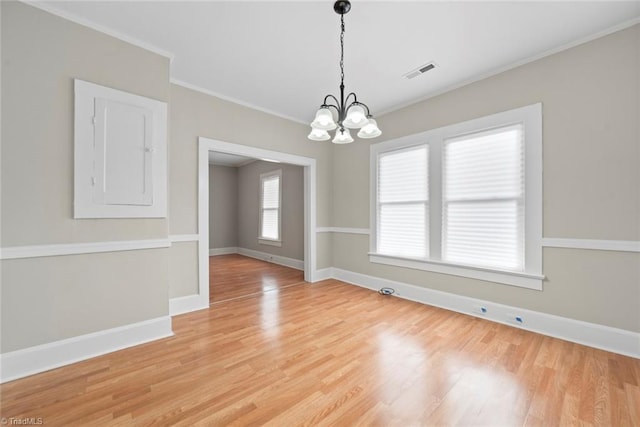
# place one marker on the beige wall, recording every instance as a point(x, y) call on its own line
point(292, 208)
point(223, 206)
point(590, 97)
point(52, 298)
point(41, 55)
point(183, 269)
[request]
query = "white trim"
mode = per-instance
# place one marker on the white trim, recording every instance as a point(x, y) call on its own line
point(187, 304)
point(607, 338)
point(324, 274)
point(276, 259)
point(496, 71)
point(602, 245)
point(36, 251)
point(200, 89)
point(50, 7)
point(40, 358)
point(522, 280)
point(183, 238)
point(346, 230)
point(223, 251)
point(205, 145)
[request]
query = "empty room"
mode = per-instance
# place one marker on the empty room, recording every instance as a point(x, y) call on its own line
point(334, 213)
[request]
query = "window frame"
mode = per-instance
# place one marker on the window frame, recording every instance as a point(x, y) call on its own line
point(263, 239)
point(531, 119)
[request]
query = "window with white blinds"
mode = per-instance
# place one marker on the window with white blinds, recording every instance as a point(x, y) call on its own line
point(464, 199)
point(483, 199)
point(403, 203)
point(270, 205)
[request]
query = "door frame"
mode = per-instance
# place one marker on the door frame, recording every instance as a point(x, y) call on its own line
point(205, 145)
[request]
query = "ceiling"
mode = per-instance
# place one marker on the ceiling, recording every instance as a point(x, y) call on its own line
point(283, 57)
point(233, 160)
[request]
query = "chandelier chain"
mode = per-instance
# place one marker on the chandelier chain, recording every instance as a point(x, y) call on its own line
point(342, 50)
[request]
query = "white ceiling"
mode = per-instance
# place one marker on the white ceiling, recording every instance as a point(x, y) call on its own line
point(282, 57)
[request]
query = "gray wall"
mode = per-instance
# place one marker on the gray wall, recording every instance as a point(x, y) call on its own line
point(590, 96)
point(292, 208)
point(223, 207)
point(51, 298)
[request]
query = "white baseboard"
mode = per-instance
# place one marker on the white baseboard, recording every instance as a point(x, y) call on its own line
point(276, 259)
point(33, 360)
point(223, 251)
point(323, 274)
point(187, 304)
point(603, 337)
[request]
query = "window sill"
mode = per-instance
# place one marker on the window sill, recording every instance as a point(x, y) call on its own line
point(270, 242)
point(522, 280)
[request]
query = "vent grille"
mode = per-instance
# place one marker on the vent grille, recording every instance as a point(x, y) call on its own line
point(420, 70)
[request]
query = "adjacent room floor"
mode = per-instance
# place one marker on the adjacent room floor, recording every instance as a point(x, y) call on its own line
point(335, 354)
point(236, 276)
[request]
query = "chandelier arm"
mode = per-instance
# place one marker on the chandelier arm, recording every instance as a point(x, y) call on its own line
point(324, 103)
point(354, 102)
point(365, 106)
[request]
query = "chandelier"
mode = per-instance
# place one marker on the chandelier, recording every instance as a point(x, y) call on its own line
point(350, 112)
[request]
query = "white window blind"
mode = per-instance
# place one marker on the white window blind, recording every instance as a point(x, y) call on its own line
point(483, 199)
point(403, 203)
point(270, 207)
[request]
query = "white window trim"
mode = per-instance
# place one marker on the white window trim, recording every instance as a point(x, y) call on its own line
point(262, 239)
point(531, 118)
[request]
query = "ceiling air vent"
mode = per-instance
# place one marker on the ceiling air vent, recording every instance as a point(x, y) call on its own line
point(420, 70)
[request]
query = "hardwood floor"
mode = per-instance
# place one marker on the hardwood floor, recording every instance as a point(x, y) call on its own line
point(334, 354)
point(236, 276)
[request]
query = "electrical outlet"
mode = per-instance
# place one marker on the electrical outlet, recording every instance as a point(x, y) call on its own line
point(480, 309)
point(515, 318)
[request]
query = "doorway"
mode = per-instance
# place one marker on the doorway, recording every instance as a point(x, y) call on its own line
point(207, 145)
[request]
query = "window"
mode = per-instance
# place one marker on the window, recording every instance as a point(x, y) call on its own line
point(465, 199)
point(270, 216)
point(403, 203)
point(483, 203)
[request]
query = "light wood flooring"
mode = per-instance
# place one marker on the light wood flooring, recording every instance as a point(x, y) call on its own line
point(236, 276)
point(334, 354)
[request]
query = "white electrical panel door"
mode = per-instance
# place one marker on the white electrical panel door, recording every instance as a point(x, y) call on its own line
point(120, 154)
point(123, 154)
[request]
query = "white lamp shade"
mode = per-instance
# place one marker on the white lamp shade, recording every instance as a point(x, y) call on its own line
point(324, 120)
point(343, 136)
point(318, 135)
point(355, 117)
point(370, 130)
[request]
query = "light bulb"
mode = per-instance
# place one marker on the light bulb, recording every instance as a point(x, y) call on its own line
point(343, 136)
